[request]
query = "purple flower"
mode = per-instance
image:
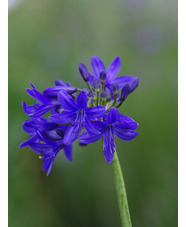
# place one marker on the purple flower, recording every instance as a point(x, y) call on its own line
point(52, 92)
point(77, 113)
point(84, 72)
point(46, 101)
point(114, 123)
point(111, 73)
point(90, 112)
point(47, 140)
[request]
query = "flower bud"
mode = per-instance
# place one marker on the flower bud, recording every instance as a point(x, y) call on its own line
point(104, 95)
point(103, 76)
point(59, 83)
point(84, 72)
point(107, 90)
point(124, 92)
point(96, 85)
point(115, 89)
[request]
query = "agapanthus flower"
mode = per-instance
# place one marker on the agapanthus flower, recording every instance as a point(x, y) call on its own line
point(113, 123)
point(84, 114)
point(47, 100)
point(112, 71)
point(46, 139)
point(77, 113)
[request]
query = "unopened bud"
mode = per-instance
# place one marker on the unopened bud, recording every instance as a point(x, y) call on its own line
point(104, 95)
point(103, 76)
point(124, 92)
point(115, 89)
point(107, 90)
point(96, 85)
point(84, 72)
point(59, 83)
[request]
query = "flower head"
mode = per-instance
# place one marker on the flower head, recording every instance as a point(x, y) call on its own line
point(84, 114)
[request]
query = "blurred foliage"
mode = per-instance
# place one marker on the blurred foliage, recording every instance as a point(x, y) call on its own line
point(47, 40)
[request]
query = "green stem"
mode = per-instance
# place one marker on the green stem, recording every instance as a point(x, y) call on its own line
point(89, 87)
point(97, 99)
point(103, 88)
point(112, 104)
point(121, 192)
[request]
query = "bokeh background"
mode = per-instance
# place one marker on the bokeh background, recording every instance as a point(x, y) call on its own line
point(47, 40)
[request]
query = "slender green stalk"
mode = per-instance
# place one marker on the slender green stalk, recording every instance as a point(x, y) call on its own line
point(97, 100)
point(121, 192)
point(112, 104)
point(89, 86)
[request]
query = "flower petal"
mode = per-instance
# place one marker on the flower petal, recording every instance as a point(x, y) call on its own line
point(67, 102)
point(47, 164)
point(127, 122)
point(82, 100)
point(49, 156)
point(33, 139)
point(125, 134)
point(68, 152)
point(95, 112)
point(28, 109)
point(97, 66)
point(100, 124)
point(41, 148)
point(57, 110)
point(113, 115)
point(45, 140)
point(123, 80)
point(52, 92)
point(127, 125)
point(40, 97)
point(108, 144)
point(28, 128)
point(42, 110)
point(86, 138)
point(64, 117)
point(51, 135)
point(113, 69)
point(31, 92)
point(38, 124)
point(72, 133)
point(91, 78)
point(91, 127)
point(61, 130)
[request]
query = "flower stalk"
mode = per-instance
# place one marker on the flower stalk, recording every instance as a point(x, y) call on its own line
point(121, 192)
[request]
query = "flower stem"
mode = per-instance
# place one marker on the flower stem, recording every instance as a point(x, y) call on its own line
point(121, 192)
point(89, 87)
point(97, 100)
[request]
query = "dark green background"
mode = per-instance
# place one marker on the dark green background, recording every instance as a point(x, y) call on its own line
point(47, 40)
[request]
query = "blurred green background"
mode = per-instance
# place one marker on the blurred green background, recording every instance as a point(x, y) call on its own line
point(47, 40)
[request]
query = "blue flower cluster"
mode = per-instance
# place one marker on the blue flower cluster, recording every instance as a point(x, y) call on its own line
point(84, 114)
